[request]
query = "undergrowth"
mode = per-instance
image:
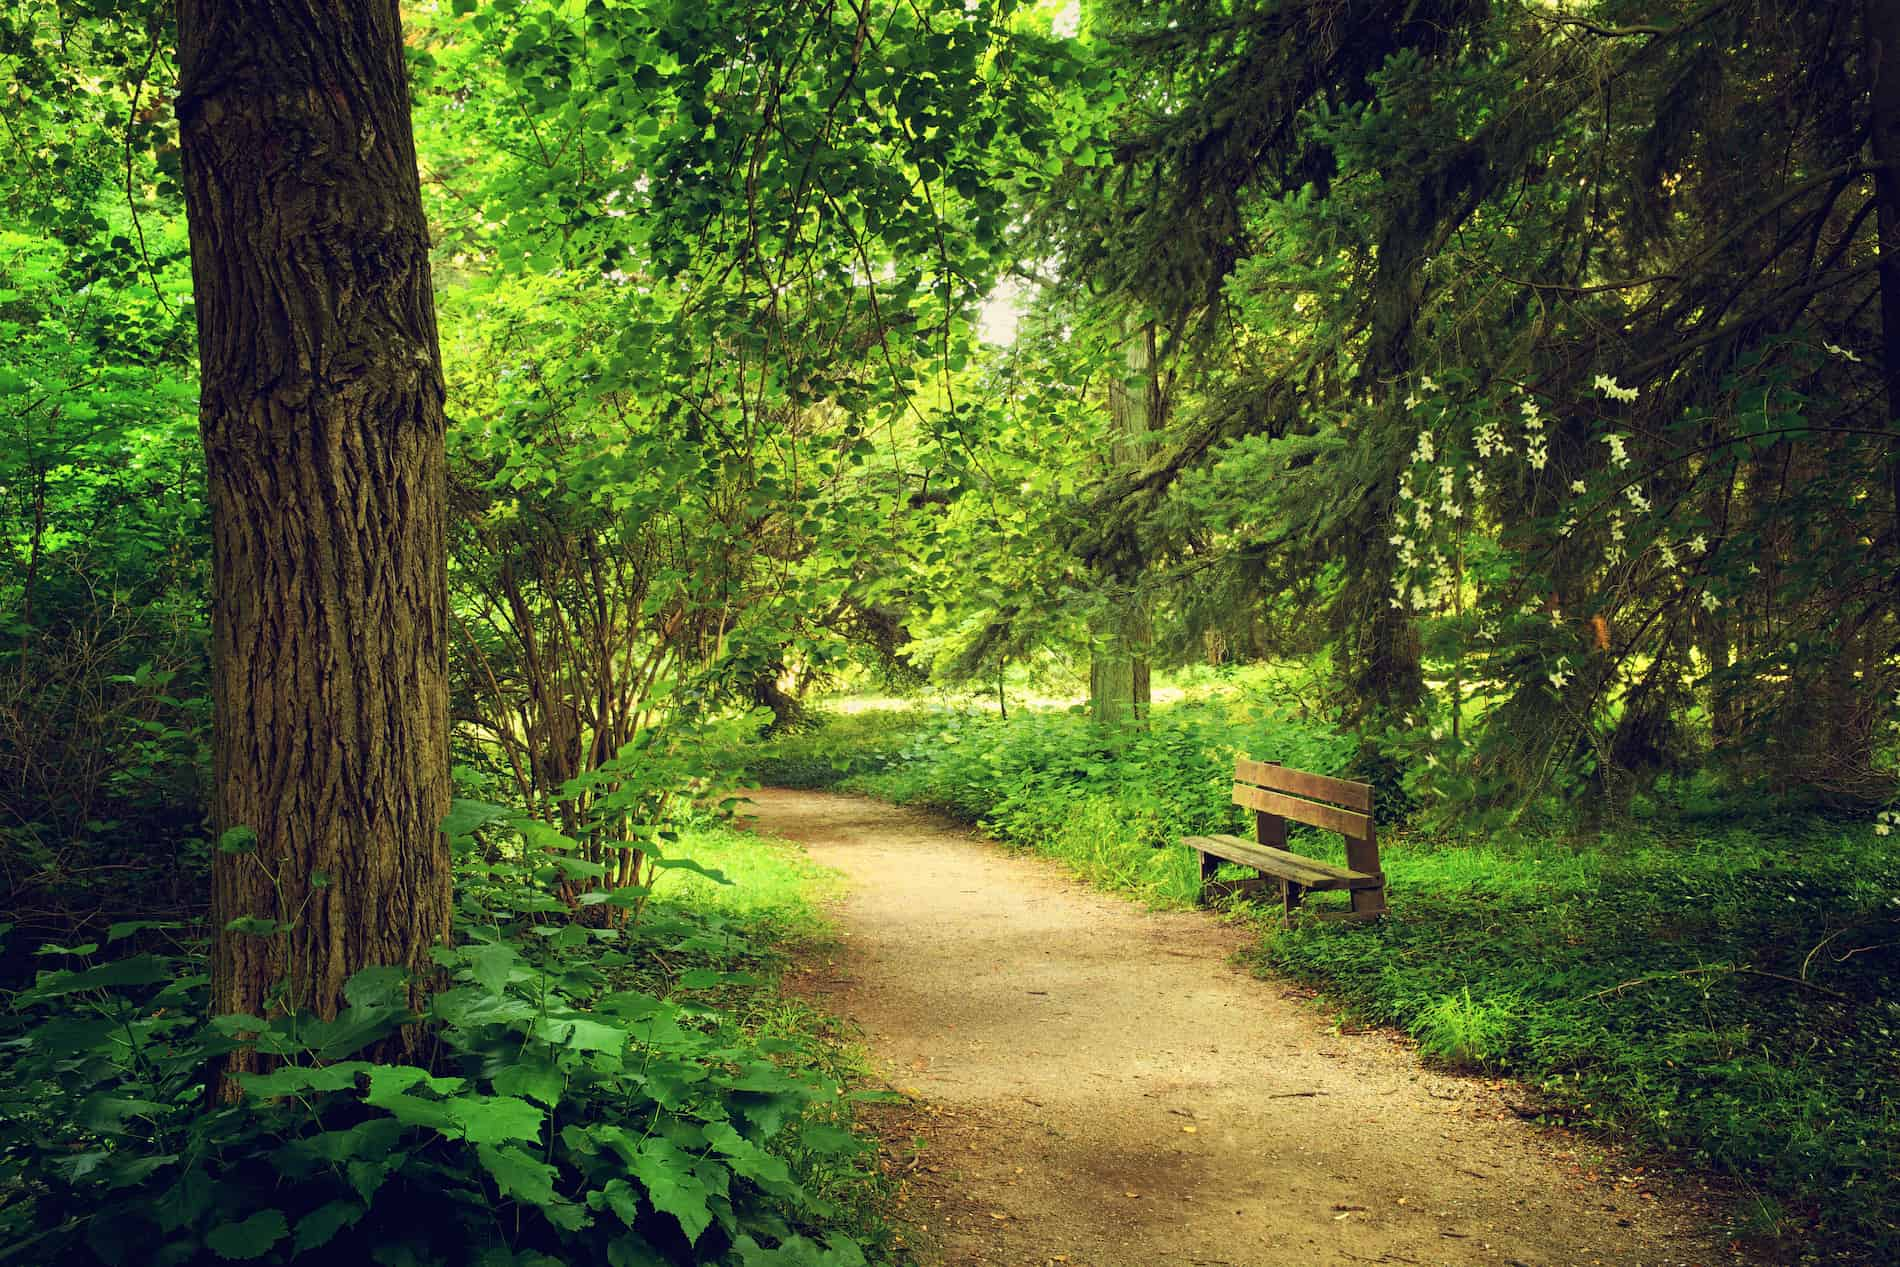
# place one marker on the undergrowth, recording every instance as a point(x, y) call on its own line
point(1720, 984)
point(636, 1095)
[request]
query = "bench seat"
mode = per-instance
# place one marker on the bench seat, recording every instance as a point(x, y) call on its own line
point(1308, 873)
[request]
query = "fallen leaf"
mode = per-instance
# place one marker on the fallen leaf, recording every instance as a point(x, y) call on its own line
point(1188, 1130)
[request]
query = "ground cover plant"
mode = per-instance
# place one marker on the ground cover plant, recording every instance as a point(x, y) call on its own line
point(1714, 982)
point(636, 1093)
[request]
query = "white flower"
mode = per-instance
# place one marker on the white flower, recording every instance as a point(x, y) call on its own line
point(1424, 452)
point(1477, 484)
point(1844, 354)
point(1578, 486)
point(1411, 401)
point(1635, 494)
point(1618, 454)
point(1880, 829)
point(1668, 555)
point(1437, 733)
point(1529, 408)
point(1699, 544)
point(1558, 678)
point(1608, 386)
point(1709, 601)
point(1427, 385)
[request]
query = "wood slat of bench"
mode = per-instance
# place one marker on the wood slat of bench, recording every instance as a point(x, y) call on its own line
point(1343, 821)
point(1308, 872)
point(1279, 778)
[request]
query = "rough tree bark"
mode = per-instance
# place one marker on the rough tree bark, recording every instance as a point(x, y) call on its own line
point(322, 421)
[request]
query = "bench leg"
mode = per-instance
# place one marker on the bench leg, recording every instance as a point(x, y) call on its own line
point(1368, 903)
point(1213, 890)
point(1291, 895)
point(1209, 865)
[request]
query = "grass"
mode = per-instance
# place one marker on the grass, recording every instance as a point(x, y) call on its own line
point(1720, 985)
point(770, 909)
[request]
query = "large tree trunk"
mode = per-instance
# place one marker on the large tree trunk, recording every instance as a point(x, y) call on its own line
point(322, 419)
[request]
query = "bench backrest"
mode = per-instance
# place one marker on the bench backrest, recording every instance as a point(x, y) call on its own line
point(1277, 793)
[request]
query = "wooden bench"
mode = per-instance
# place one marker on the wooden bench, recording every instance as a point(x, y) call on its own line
point(1276, 795)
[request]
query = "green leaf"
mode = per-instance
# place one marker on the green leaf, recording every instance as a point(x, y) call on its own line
point(237, 840)
point(671, 1185)
point(582, 1034)
point(322, 1224)
point(533, 1077)
point(136, 971)
point(748, 1159)
point(293, 1079)
point(495, 1119)
point(381, 984)
point(490, 964)
point(687, 864)
point(250, 1239)
point(518, 1175)
point(255, 926)
point(465, 816)
point(354, 1029)
point(829, 1141)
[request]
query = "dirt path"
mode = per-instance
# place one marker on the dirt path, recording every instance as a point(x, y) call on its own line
point(1097, 1087)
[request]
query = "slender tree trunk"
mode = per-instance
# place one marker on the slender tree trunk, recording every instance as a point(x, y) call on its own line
point(322, 420)
point(1118, 660)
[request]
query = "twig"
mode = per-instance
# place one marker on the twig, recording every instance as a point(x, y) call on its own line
point(1297, 1095)
point(1728, 968)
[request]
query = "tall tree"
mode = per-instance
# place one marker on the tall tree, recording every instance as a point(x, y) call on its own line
point(322, 421)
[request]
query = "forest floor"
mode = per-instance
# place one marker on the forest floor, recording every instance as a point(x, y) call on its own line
point(1091, 1084)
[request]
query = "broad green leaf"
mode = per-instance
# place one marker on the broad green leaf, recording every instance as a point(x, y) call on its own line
point(490, 964)
point(252, 1238)
point(518, 1175)
point(137, 971)
point(495, 1119)
point(672, 1187)
point(533, 1077)
point(381, 985)
point(317, 1228)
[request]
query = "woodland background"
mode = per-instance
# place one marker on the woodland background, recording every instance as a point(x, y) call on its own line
point(1492, 401)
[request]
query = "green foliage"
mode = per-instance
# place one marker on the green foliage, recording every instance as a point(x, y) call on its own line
point(595, 1097)
point(1726, 992)
point(1106, 802)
